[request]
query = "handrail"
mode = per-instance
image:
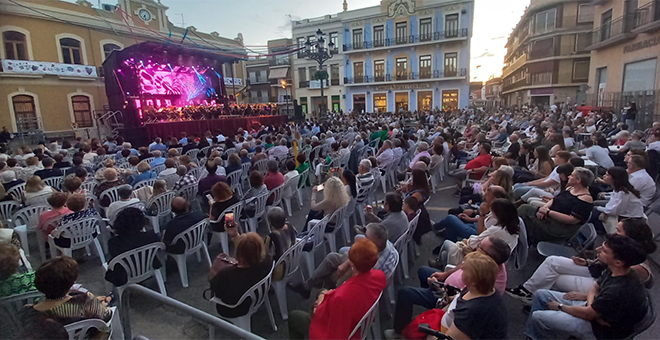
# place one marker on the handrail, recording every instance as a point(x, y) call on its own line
point(182, 307)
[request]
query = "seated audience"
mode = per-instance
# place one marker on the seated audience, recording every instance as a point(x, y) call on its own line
point(125, 192)
point(184, 218)
point(13, 279)
point(35, 187)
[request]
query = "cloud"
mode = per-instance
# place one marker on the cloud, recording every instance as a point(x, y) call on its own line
point(486, 54)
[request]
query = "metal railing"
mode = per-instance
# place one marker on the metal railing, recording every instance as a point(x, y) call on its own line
point(404, 76)
point(222, 325)
point(648, 13)
point(303, 84)
point(613, 29)
point(411, 39)
point(279, 62)
point(648, 104)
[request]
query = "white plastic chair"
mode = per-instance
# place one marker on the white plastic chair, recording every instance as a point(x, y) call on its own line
point(148, 160)
point(205, 150)
point(25, 221)
point(338, 218)
point(290, 261)
point(401, 244)
point(361, 202)
point(259, 212)
point(302, 185)
point(139, 266)
point(235, 179)
point(10, 307)
point(112, 194)
point(158, 168)
point(7, 210)
point(147, 182)
point(197, 172)
point(18, 192)
point(261, 166)
point(81, 234)
point(229, 152)
point(350, 211)
point(192, 153)
point(170, 180)
point(54, 182)
point(276, 194)
point(316, 151)
point(189, 192)
point(369, 325)
point(193, 239)
point(245, 174)
point(89, 186)
point(224, 238)
point(258, 295)
point(78, 330)
point(314, 236)
point(291, 185)
point(163, 203)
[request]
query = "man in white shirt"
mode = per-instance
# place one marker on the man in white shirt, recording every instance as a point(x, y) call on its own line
point(640, 179)
point(279, 152)
point(654, 142)
point(398, 151)
point(170, 168)
point(125, 199)
point(220, 137)
point(598, 154)
point(422, 151)
point(385, 155)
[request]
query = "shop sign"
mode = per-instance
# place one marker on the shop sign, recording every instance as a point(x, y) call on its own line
point(644, 44)
point(403, 87)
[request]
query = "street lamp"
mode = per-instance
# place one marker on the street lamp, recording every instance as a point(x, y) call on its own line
point(319, 52)
point(287, 96)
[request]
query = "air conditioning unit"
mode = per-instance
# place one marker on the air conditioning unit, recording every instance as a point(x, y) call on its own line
point(108, 7)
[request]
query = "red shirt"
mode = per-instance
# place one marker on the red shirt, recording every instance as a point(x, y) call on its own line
point(344, 307)
point(478, 162)
point(272, 181)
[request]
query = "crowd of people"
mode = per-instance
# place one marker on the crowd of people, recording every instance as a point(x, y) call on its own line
point(523, 177)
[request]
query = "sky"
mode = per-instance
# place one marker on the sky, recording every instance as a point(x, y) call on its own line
point(263, 20)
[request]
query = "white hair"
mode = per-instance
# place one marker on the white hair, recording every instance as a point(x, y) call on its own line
point(366, 164)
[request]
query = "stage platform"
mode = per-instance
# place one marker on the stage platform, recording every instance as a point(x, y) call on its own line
point(227, 125)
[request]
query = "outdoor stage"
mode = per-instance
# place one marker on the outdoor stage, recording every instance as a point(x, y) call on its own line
point(226, 125)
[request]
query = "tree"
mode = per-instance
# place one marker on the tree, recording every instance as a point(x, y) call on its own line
point(321, 75)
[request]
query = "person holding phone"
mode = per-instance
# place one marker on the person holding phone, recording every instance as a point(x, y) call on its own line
point(334, 197)
point(222, 198)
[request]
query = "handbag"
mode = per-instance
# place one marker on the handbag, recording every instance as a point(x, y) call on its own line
point(431, 317)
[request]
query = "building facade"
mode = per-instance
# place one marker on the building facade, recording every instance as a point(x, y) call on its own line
point(624, 56)
point(308, 88)
point(407, 55)
point(493, 94)
point(52, 51)
point(269, 78)
point(547, 59)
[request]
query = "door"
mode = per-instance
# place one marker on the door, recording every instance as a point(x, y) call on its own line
point(25, 113)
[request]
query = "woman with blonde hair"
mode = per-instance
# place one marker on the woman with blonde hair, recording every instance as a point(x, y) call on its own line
point(36, 187)
point(145, 173)
point(334, 197)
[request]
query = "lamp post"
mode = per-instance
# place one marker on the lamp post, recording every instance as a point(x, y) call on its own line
point(319, 52)
point(287, 96)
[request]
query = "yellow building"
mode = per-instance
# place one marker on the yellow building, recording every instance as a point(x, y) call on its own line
point(547, 60)
point(624, 57)
point(52, 51)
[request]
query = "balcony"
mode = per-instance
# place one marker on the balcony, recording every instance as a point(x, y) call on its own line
point(334, 81)
point(613, 32)
point(514, 85)
point(412, 39)
point(280, 62)
point(302, 54)
point(407, 76)
point(647, 17)
point(303, 84)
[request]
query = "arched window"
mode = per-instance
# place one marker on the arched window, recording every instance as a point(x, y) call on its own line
point(108, 48)
point(15, 45)
point(82, 111)
point(71, 51)
point(25, 112)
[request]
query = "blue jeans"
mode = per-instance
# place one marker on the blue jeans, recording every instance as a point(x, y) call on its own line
point(410, 296)
point(519, 190)
point(550, 324)
point(455, 229)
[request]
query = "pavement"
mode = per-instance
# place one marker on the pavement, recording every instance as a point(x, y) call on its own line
point(154, 321)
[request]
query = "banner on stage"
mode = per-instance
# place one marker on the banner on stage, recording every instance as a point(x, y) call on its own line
point(44, 67)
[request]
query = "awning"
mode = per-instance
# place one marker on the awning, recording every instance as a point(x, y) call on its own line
point(278, 73)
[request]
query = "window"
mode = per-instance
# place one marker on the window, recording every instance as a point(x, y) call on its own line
point(449, 99)
point(601, 77)
point(82, 111)
point(545, 21)
point(379, 70)
point(585, 13)
point(71, 51)
point(541, 78)
point(357, 38)
point(302, 74)
point(253, 77)
point(312, 72)
point(605, 25)
point(424, 100)
point(582, 41)
point(640, 76)
point(425, 67)
point(25, 113)
point(15, 45)
point(451, 26)
point(334, 38)
point(264, 95)
point(451, 64)
point(379, 36)
point(334, 74)
point(401, 32)
point(426, 29)
point(542, 48)
point(358, 72)
point(401, 68)
point(580, 70)
point(380, 102)
point(301, 44)
point(108, 48)
point(312, 41)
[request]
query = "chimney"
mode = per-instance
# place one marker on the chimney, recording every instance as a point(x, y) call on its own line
point(345, 6)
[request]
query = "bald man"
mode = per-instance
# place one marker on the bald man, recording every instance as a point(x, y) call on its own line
point(184, 219)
